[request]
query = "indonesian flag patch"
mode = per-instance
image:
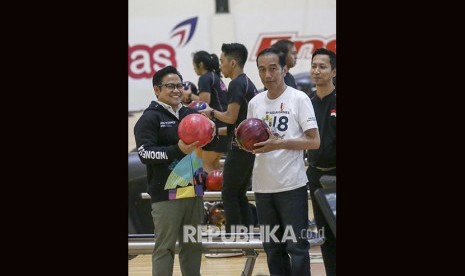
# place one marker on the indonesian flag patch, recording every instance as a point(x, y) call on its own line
point(333, 112)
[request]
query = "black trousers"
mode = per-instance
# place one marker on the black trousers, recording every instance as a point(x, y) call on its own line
point(328, 248)
point(237, 172)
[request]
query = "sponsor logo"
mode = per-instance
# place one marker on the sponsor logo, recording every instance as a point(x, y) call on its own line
point(146, 60)
point(183, 28)
point(305, 45)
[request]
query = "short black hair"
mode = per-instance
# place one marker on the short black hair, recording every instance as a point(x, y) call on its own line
point(276, 51)
point(236, 51)
point(158, 76)
point(331, 54)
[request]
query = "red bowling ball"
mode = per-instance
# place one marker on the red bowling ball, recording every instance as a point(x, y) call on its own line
point(251, 131)
point(196, 127)
point(214, 181)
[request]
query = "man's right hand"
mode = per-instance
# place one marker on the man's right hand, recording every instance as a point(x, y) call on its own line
point(187, 149)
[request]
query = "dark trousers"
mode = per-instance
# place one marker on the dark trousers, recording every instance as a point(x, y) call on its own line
point(285, 209)
point(237, 172)
point(328, 248)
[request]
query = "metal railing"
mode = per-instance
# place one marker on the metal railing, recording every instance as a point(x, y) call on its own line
point(214, 196)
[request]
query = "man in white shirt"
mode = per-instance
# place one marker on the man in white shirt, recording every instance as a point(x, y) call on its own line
point(279, 179)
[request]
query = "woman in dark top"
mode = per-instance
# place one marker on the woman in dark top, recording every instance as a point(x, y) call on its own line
point(213, 91)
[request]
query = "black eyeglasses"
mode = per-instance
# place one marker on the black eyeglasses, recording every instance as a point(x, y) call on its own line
point(171, 86)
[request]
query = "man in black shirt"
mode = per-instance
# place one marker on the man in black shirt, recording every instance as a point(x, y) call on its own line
point(322, 161)
point(238, 165)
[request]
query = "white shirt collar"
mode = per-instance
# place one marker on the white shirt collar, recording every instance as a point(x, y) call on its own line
point(170, 109)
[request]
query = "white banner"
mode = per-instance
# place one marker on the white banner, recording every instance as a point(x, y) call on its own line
point(170, 38)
